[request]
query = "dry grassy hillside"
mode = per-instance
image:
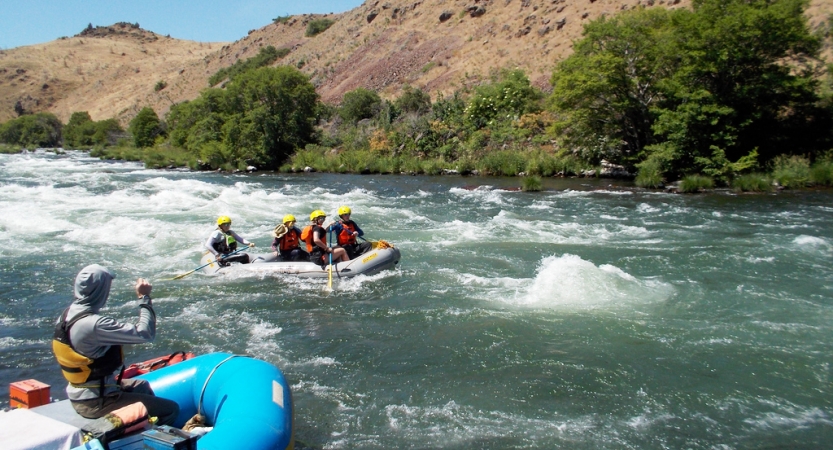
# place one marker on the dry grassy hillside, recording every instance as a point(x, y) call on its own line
point(437, 45)
point(110, 73)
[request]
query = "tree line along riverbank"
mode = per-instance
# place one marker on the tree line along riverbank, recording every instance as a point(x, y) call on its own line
point(730, 93)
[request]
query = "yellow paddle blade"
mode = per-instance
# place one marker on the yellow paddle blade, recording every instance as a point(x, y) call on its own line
point(380, 244)
point(330, 278)
point(179, 277)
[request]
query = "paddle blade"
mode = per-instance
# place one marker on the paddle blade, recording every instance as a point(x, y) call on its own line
point(179, 277)
point(380, 244)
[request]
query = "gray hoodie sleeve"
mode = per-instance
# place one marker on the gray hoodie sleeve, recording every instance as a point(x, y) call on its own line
point(93, 335)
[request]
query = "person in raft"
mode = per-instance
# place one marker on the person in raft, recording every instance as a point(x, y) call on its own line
point(316, 238)
point(224, 241)
point(287, 242)
point(88, 347)
point(346, 232)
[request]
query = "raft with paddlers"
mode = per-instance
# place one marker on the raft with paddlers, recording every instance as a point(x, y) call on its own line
point(382, 256)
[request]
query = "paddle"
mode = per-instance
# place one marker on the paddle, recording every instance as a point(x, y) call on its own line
point(178, 277)
point(330, 275)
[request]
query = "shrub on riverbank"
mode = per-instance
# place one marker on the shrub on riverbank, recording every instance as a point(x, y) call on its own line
point(10, 149)
point(821, 173)
point(791, 171)
point(752, 182)
point(532, 184)
point(656, 92)
point(158, 157)
point(32, 131)
point(695, 183)
point(82, 132)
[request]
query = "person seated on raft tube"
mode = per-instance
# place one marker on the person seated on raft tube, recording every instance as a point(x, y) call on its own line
point(88, 347)
point(316, 238)
point(347, 231)
point(224, 241)
point(287, 242)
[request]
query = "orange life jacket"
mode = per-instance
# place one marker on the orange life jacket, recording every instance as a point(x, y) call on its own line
point(348, 227)
point(307, 236)
point(290, 240)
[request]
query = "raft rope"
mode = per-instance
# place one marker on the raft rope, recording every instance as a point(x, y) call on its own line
point(204, 386)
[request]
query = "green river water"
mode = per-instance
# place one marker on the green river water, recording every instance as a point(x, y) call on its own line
point(581, 317)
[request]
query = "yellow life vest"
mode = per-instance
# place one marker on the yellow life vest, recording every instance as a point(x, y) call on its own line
point(77, 368)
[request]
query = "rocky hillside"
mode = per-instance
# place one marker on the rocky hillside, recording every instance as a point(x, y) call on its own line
point(437, 45)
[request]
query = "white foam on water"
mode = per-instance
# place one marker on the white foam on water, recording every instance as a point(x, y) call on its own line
point(572, 282)
point(10, 342)
point(262, 342)
point(482, 194)
point(813, 244)
point(646, 208)
point(360, 283)
point(318, 361)
point(418, 194)
point(456, 425)
point(789, 417)
point(645, 421)
point(756, 260)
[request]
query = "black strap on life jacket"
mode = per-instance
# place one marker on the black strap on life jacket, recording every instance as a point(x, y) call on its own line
point(102, 366)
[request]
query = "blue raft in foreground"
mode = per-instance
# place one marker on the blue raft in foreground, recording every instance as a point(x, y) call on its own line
point(246, 400)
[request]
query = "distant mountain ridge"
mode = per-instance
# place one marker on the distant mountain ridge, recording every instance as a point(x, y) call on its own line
point(436, 45)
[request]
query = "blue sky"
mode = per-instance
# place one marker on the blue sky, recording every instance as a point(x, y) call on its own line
point(26, 22)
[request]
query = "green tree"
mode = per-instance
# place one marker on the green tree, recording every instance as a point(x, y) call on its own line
point(708, 90)
point(359, 104)
point(261, 117)
point(145, 127)
point(183, 117)
point(106, 132)
point(413, 100)
point(745, 83)
point(318, 26)
point(32, 130)
point(265, 57)
point(509, 97)
point(605, 92)
point(79, 131)
point(275, 114)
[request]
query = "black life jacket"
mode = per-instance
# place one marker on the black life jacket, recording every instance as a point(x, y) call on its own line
point(77, 368)
point(227, 245)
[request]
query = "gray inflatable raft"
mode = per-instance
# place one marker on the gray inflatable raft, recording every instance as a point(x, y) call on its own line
point(370, 263)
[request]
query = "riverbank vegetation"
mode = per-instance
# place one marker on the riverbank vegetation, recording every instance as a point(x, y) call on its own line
point(730, 93)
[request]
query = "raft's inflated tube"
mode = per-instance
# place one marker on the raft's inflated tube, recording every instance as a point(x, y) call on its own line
point(246, 400)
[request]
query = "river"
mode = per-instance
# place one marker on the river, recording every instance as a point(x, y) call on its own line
point(582, 317)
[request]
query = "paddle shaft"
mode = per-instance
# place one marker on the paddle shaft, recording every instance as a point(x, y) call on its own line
point(178, 277)
point(330, 275)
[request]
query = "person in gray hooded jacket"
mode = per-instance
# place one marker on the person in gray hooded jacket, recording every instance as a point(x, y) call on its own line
point(88, 347)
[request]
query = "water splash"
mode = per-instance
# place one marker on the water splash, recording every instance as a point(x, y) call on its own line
point(570, 281)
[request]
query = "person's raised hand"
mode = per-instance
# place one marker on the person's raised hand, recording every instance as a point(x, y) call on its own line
point(143, 287)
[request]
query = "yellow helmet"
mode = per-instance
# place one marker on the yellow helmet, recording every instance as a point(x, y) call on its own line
point(223, 220)
point(288, 218)
point(316, 214)
point(344, 210)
